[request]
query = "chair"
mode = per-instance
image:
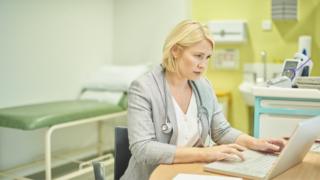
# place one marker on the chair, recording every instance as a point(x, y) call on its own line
point(121, 159)
point(99, 171)
point(122, 152)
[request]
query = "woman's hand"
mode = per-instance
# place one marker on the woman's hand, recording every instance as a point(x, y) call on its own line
point(221, 152)
point(268, 145)
point(264, 145)
point(207, 154)
point(217, 153)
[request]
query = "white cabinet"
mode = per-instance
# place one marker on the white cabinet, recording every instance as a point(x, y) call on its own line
point(278, 110)
point(278, 126)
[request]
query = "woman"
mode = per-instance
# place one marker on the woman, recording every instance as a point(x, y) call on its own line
point(173, 111)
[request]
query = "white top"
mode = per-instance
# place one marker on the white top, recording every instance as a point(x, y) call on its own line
point(189, 127)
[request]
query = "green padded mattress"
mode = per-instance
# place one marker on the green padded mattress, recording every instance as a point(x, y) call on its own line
point(37, 116)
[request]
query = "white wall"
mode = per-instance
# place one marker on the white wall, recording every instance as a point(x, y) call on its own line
point(141, 26)
point(47, 49)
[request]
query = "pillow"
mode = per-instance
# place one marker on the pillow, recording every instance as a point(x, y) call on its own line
point(115, 78)
point(105, 96)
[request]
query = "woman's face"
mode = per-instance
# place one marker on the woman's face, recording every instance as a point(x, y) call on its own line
point(192, 61)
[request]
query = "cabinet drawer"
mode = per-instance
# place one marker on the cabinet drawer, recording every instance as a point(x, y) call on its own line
point(278, 126)
point(288, 104)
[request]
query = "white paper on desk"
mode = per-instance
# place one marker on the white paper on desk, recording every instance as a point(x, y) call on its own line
point(183, 176)
point(315, 148)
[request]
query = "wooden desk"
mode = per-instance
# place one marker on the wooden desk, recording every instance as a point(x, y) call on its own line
point(308, 169)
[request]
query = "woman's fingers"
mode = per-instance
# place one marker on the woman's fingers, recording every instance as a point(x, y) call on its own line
point(233, 157)
point(278, 142)
point(225, 152)
point(238, 147)
point(230, 151)
point(233, 151)
point(271, 145)
point(268, 147)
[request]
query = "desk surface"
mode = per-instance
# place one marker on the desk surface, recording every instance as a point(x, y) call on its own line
point(308, 169)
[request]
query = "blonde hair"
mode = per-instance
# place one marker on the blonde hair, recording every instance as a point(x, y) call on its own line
point(185, 34)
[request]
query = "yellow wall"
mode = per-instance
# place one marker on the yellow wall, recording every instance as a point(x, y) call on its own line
point(279, 43)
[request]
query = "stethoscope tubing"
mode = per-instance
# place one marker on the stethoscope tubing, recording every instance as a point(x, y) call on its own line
point(167, 126)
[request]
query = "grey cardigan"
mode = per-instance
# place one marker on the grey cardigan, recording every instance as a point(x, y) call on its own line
point(146, 113)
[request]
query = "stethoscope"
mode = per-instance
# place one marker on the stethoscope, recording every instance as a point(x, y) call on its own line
point(202, 111)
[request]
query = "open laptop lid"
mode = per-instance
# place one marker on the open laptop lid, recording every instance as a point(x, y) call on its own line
point(298, 146)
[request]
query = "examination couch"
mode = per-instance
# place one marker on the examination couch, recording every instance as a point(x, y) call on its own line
point(70, 113)
point(60, 115)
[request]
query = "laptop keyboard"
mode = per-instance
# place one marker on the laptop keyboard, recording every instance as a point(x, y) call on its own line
point(256, 164)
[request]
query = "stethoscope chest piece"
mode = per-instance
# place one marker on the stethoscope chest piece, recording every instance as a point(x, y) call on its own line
point(166, 127)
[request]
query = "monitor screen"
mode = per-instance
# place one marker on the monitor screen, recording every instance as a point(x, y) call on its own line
point(289, 68)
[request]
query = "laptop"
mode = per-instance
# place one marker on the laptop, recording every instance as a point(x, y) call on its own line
point(259, 165)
